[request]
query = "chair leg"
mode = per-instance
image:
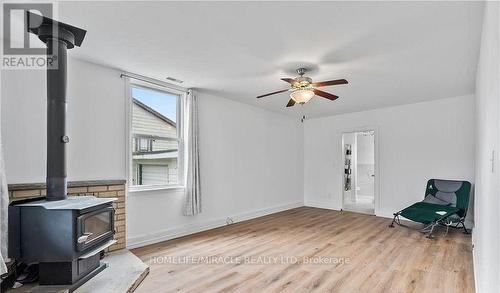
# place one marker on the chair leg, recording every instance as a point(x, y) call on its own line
point(393, 220)
point(463, 226)
point(447, 230)
point(429, 235)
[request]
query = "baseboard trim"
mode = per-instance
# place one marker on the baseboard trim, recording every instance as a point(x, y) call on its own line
point(330, 206)
point(184, 230)
point(322, 205)
point(385, 215)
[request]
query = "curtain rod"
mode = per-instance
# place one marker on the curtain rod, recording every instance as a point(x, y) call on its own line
point(154, 81)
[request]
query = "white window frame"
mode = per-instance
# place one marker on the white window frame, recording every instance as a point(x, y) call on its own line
point(139, 144)
point(182, 93)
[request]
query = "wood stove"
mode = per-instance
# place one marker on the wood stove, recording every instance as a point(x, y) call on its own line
point(64, 235)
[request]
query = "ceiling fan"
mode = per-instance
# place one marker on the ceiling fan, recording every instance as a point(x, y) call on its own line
point(302, 88)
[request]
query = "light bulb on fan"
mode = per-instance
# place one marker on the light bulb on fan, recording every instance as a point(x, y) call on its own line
point(302, 96)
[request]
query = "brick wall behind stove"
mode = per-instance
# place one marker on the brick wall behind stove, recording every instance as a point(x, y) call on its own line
point(113, 190)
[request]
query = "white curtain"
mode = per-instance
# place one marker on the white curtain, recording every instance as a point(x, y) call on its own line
point(192, 157)
point(4, 203)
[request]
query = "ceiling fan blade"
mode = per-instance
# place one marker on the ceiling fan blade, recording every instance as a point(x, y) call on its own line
point(271, 94)
point(290, 103)
point(325, 95)
point(329, 82)
point(289, 80)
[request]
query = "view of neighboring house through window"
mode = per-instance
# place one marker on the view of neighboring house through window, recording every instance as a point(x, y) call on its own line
point(155, 137)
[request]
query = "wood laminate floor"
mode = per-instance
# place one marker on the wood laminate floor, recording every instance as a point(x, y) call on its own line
point(310, 250)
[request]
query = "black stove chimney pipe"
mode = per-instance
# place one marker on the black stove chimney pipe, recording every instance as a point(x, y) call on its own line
point(59, 37)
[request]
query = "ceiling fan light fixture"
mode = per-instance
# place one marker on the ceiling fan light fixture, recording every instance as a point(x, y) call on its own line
point(302, 96)
point(302, 89)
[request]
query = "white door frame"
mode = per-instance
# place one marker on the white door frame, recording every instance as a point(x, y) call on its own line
point(376, 169)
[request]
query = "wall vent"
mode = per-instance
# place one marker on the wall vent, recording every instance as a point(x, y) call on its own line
point(174, 79)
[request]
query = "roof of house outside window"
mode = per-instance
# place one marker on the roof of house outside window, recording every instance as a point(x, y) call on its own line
point(152, 111)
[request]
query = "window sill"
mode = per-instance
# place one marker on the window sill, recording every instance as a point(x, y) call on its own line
point(139, 189)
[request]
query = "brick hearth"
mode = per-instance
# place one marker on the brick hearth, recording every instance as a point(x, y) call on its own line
point(98, 188)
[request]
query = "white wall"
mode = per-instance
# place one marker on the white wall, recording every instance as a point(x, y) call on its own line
point(96, 117)
point(365, 149)
point(486, 232)
point(365, 153)
point(251, 158)
point(251, 164)
point(415, 143)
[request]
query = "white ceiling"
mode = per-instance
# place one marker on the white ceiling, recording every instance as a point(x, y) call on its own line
point(392, 53)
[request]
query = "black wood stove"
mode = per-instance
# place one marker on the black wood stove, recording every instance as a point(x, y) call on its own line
point(64, 235)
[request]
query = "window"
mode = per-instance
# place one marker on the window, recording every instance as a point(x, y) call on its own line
point(156, 138)
point(143, 145)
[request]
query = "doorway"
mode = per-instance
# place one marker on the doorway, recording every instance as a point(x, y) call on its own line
point(359, 171)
